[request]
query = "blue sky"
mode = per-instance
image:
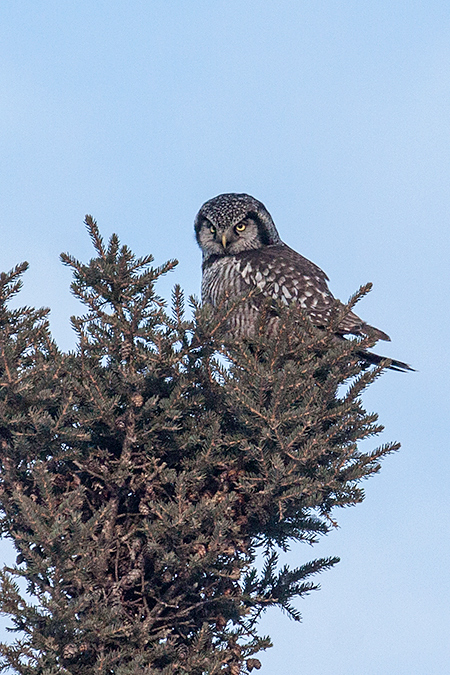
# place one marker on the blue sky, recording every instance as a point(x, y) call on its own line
point(335, 114)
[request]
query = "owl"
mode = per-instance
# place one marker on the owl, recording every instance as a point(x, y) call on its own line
point(243, 252)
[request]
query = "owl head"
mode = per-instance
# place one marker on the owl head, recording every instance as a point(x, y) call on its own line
point(231, 223)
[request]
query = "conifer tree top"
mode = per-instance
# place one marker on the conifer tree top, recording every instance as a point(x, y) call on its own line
point(143, 473)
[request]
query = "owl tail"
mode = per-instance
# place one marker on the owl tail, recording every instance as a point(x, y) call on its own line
point(371, 358)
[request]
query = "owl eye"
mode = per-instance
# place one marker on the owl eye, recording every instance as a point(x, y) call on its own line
point(241, 227)
point(212, 229)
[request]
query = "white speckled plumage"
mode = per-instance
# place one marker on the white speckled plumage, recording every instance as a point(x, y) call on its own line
point(243, 252)
point(255, 258)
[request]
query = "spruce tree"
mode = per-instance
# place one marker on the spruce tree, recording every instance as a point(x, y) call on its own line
point(145, 473)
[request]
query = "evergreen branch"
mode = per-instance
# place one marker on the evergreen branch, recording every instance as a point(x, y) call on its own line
point(94, 233)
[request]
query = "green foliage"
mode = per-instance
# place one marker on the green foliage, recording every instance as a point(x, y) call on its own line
point(144, 473)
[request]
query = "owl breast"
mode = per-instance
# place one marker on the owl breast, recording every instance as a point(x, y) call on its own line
point(223, 282)
point(275, 272)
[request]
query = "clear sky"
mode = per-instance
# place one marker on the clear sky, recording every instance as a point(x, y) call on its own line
point(335, 114)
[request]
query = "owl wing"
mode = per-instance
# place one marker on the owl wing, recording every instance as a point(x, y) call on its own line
point(279, 272)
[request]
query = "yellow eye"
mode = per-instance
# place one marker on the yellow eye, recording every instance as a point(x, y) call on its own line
point(241, 227)
point(212, 229)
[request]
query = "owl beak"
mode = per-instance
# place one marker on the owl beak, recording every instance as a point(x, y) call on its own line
point(224, 240)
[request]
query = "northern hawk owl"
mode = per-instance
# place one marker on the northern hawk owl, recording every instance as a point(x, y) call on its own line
point(242, 251)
